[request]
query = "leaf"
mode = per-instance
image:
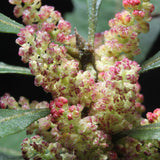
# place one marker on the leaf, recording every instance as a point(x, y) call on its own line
point(10, 144)
point(148, 39)
point(8, 157)
point(93, 10)
point(151, 64)
point(8, 25)
point(14, 121)
point(6, 68)
point(147, 132)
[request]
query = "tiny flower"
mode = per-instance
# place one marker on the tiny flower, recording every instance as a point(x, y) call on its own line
point(16, 2)
point(8, 102)
point(70, 116)
point(139, 14)
point(57, 107)
point(44, 123)
point(64, 26)
point(28, 16)
point(129, 3)
point(48, 27)
point(71, 108)
point(45, 12)
point(18, 10)
point(152, 117)
point(157, 111)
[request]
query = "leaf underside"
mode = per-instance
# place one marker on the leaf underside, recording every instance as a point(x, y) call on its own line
point(147, 132)
point(8, 157)
point(152, 63)
point(5, 68)
point(14, 121)
point(8, 25)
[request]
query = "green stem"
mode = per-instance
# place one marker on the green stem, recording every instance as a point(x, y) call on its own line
point(93, 9)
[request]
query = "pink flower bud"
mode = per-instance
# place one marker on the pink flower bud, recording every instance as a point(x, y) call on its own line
point(70, 116)
point(71, 108)
point(64, 26)
point(132, 3)
point(45, 12)
point(18, 10)
point(157, 111)
point(48, 27)
point(151, 117)
point(139, 13)
point(60, 111)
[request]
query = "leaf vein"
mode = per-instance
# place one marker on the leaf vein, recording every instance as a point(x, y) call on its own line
point(10, 24)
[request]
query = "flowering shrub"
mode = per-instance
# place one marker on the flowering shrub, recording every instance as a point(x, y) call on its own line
point(95, 89)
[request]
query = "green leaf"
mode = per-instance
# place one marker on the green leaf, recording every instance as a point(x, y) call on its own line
point(6, 68)
point(147, 132)
point(151, 64)
point(148, 39)
point(10, 144)
point(8, 25)
point(14, 121)
point(93, 10)
point(8, 157)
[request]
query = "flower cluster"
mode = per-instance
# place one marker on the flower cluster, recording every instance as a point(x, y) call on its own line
point(117, 98)
point(152, 117)
point(48, 46)
point(43, 150)
point(130, 148)
point(9, 102)
point(91, 102)
point(122, 39)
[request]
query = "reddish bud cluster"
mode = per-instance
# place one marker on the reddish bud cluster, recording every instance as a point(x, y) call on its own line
point(122, 39)
point(139, 13)
point(6, 101)
point(60, 105)
point(131, 3)
point(43, 149)
point(153, 117)
point(56, 107)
